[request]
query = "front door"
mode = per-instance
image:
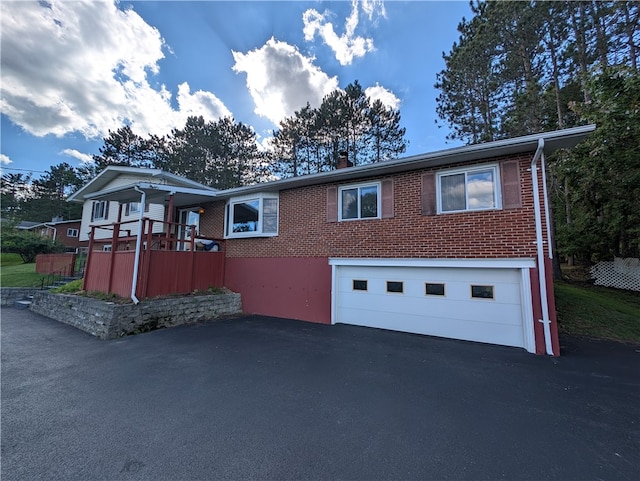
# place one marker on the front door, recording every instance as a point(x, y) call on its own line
point(187, 219)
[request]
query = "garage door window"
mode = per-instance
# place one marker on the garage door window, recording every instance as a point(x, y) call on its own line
point(359, 285)
point(432, 289)
point(482, 292)
point(395, 286)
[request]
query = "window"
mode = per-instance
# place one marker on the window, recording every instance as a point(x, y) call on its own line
point(106, 248)
point(359, 202)
point(72, 232)
point(395, 286)
point(255, 216)
point(359, 285)
point(482, 292)
point(433, 289)
point(133, 208)
point(471, 189)
point(100, 210)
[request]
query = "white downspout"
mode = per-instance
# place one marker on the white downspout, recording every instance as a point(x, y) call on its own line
point(136, 264)
point(547, 217)
point(542, 277)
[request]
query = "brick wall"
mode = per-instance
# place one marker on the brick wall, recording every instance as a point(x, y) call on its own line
point(305, 232)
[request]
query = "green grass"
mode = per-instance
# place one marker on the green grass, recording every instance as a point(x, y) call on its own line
point(600, 312)
point(21, 275)
point(9, 259)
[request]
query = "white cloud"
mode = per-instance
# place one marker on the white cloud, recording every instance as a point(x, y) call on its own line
point(5, 160)
point(85, 67)
point(82, 157)
point(387, 97)
point(348, 45)
point(281, 80)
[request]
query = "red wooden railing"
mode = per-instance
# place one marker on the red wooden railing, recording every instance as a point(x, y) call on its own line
point(162, 268)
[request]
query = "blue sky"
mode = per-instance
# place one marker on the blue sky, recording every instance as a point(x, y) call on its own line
point(73, 70)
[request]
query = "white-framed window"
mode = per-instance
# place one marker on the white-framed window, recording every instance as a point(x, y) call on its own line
point(476, 188)
point(252, 216)
point(106, 248)
point(360, 201)
point(133, 208)
point(72, 232)
point(100, 210)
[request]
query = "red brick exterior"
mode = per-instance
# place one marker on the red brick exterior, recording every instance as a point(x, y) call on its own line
point(267, 268)
point(305, 232)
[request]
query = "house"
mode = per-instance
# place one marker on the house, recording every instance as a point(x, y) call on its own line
point(454, 243)
point(64, 231)
point(101, 214)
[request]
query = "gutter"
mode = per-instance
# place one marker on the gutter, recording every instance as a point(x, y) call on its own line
point(542, 275)
point(136, 265)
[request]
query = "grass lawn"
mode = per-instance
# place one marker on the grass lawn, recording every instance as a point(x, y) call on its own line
point(595, 311)
point(13, 273)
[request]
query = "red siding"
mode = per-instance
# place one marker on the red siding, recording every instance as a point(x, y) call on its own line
point(290, 287)
point(55, 264)
point(172, 272)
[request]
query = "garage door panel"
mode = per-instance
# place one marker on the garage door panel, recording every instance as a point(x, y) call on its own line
point(462, 329)
point(455, 315)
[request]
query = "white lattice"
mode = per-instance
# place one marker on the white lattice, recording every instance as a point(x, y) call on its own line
point(621, 274)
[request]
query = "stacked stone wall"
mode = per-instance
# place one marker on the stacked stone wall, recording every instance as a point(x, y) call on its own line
point(107, 320)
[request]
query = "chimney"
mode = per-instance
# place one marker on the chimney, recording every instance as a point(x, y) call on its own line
point(343, 161)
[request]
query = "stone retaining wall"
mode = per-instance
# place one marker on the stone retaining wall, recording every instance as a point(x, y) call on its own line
point(9, 295)
point(107, 320)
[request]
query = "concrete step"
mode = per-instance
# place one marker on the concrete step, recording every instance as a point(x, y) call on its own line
point(22, 304)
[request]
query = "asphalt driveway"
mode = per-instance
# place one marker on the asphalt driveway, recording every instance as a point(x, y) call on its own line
point(263, 398)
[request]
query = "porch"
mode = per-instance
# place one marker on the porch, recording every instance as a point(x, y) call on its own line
point(157, 262)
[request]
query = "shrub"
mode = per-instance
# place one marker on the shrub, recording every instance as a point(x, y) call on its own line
point(28, 245)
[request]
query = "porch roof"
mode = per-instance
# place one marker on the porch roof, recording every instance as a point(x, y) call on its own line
point(155, 193)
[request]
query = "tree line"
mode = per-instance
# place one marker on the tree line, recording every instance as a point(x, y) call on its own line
point(524, 67)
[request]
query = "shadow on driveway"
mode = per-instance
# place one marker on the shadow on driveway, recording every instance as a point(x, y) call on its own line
point(265, 398)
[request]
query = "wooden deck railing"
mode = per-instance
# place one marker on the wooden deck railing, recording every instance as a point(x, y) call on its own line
point(168, 264)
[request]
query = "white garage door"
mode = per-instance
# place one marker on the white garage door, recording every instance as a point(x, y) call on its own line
point(474, 304)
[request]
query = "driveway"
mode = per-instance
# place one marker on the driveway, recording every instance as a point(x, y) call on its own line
point(273, 399)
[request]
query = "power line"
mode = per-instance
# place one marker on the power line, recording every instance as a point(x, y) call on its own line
point(24, 170)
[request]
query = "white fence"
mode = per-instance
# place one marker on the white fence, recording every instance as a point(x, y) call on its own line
point(621, 273)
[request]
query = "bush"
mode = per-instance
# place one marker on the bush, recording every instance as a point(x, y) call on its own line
point(28, 245)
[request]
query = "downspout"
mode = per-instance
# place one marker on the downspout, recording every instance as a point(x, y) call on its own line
point(542, 275)
point(136, 264)
point(547, 216)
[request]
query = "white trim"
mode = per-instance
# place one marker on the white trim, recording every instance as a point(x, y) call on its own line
point(527, 310)
point(497, 193)
point(362, 185)
point(259, 232)
point(334, 296)
point(515, 263)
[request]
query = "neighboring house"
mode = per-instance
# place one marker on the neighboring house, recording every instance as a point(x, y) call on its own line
point(453, 243)
point(102, 214)
point(67, 232)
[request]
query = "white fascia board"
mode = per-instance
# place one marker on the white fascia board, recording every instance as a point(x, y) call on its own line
point(513, 263)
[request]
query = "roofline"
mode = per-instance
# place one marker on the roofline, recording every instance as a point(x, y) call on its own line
point(554, 140)
point(170, 189)
point(79, 196)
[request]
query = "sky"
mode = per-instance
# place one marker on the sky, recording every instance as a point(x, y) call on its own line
point(72, 70)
